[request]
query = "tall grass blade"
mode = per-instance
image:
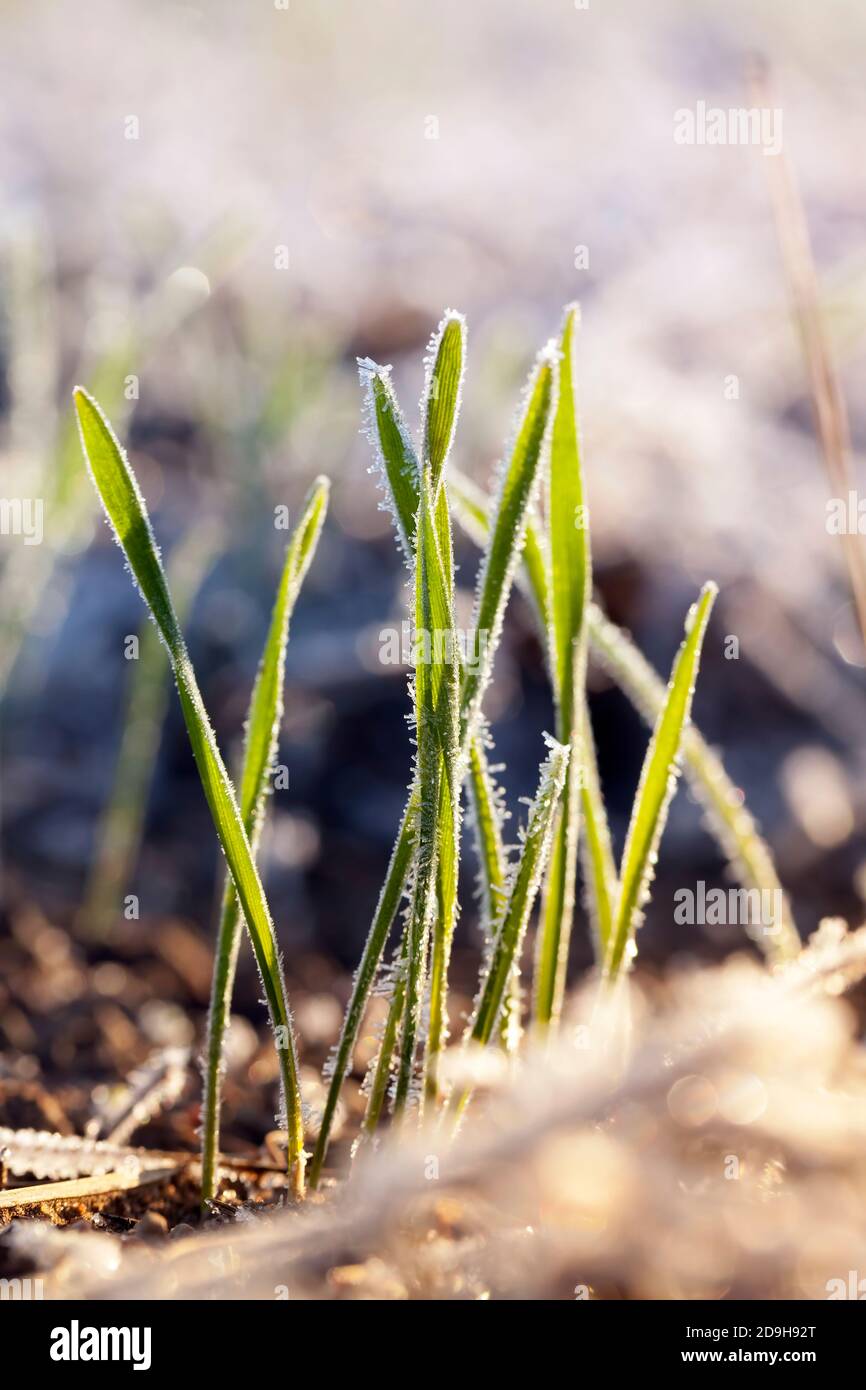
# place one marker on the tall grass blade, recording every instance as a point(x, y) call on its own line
point(124, 506)
point(568, 530)
point(570, 587)
point(435, 588)
point(519, 477)
point(437, 733)
point(727, 817)
point(264, 718)
point(656, 787)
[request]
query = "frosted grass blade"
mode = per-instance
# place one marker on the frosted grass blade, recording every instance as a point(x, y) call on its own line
point(443, 387)
point(656, 787)
point(264, 718)
point(437, 693)
point(519, 477)
point(394, 454)
point(511, 926)
point(570, 587)
point(440, 405)
point(728, 819)
point(487, 817)
point(124, 506)
point(568, 530)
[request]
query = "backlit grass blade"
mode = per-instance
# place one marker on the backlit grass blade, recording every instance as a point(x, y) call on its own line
point(124, 506)
point(568, 530)
point(442, 390)
point(514, 916)
point(599, 865)
point(656, 787)
point(519, 477)
point(440, 404)
point(728, 819)
point(570, 588)
point(264, 718)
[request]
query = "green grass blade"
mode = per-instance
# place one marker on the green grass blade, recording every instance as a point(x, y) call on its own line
point(440, 404)
point(518, 482)
point(656, 787)
point(124, 506)
point(599, 865)
point(260, 745)
point(728, 818)
point(514, 916)
point(437, 692)
point(568, 529)
point(394, 454)
point(487, 817)
point(570, 569)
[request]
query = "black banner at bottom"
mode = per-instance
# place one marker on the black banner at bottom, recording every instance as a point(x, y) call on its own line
point(72, 1339)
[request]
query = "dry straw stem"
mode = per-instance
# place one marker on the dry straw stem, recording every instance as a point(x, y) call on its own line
point(828, 399)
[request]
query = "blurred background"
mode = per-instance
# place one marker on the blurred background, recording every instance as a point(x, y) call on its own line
point(209, 212)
